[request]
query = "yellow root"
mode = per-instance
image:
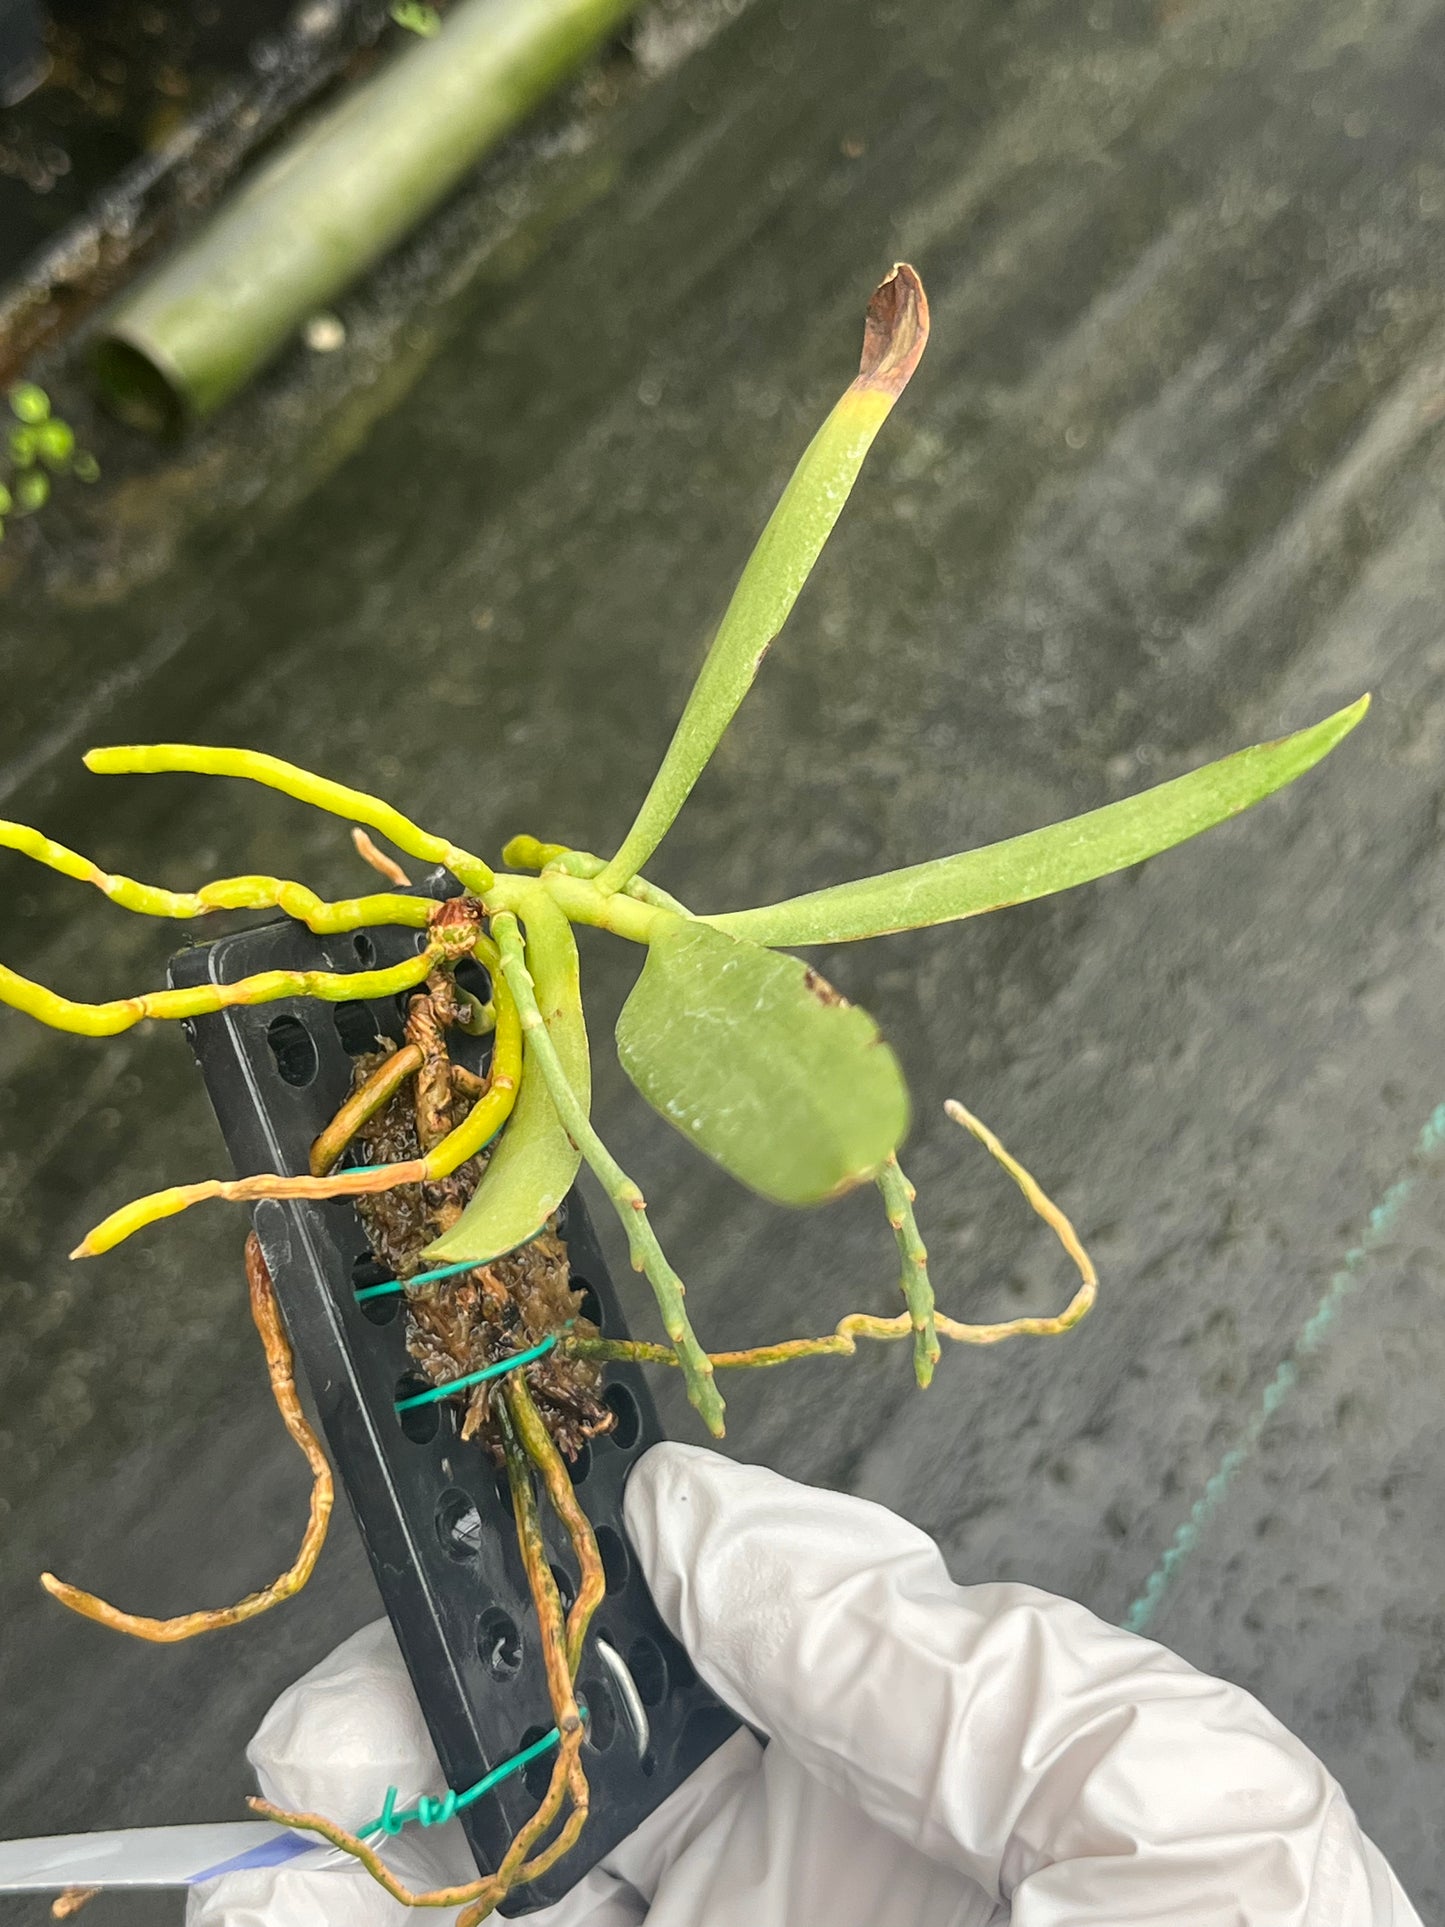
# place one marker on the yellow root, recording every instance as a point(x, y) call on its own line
point(306, 787)
point(283, 1389)
point(107, 1020)
point(473, 1134)
point(228, 893)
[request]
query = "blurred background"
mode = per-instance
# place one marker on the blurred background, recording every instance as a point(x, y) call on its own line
point(1168, 481)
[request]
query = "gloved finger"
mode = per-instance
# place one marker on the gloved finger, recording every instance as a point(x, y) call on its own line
point(1071, 1769)
point(346, 1732)
point(288, 1897)
point(333, 1743)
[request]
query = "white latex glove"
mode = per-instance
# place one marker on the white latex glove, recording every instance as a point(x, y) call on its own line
point(940, 1756)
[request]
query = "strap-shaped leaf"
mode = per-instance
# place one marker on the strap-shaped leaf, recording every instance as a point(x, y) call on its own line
point(1043, 861)
point(894, 336)
point(535, 1161)
point(761, 1064)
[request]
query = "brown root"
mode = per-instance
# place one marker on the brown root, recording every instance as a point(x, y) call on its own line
point(67, 1905)
point(279, 1366)
point(525, 1442)
point(537, 1442)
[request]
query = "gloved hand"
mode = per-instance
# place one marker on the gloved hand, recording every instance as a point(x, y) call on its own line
point(940, 1755)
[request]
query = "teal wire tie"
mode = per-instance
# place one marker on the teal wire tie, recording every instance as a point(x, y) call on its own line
point(432, 1812)
point(425, 1278)
point(435, 1392)
point(430, 1277)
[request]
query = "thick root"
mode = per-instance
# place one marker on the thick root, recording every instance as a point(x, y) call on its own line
point(473, 1134)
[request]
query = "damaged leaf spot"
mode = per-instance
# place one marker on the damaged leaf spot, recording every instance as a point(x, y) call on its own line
point(895, 332)
point(818, 986)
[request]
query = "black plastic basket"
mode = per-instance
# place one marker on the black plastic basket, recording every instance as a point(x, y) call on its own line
point(434, 1513)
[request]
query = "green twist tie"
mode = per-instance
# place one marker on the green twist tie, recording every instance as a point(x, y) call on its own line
point(476, 1378)
point(432, 1812)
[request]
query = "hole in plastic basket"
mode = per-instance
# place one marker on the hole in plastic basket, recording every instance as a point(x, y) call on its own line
point(471, 976)
point(367, 1271)
point(422, 1422)
point(403, 1006)
point(596, 1695)
point(537, 1777)
point(356, 1027)
point(365, 950)
point(566, 1588)
point(615, 1562)
point(504, 1494)
point(459, 1525)
point(623, 1407)
point(591, 1306)
point(648, 1669)
point(499, 1644)
point(578, 1468)
point(293, 1050)
point(647, 1765)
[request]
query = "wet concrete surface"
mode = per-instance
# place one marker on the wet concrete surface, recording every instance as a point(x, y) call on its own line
point(1168, 481)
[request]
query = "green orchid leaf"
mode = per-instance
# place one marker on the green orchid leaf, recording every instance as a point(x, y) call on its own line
point(894, 336)
point(535, 1162)
point(762, 1065)
point(1043, 861)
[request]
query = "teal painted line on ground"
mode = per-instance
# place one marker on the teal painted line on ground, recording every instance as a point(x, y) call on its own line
point(1378, 1227)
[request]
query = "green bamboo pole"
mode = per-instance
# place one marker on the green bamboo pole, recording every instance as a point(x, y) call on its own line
point(334, 201)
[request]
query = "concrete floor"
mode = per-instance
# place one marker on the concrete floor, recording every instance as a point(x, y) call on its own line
point(1168, 481)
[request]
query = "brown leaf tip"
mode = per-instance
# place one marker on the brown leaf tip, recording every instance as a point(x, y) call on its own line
point(895, 332)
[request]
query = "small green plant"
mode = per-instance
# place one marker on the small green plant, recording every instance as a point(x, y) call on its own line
point(416, 17)
point(738, 1044)
point(38, 445)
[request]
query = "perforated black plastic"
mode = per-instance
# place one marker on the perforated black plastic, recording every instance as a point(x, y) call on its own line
point(433, 1512)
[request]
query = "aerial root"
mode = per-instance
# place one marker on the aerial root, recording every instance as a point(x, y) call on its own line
point(541, 1448)
point(339, 799)
point(365, 1101)
point(279, 1366)
point(378, 859)
point(648, 1256)
point(109, 1019)
point(226, 893)
point(842, 1341)
point(1079, 1305)
point(473, 1134)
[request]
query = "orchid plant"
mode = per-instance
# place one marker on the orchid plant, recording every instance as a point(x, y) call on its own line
point(736, 1042)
